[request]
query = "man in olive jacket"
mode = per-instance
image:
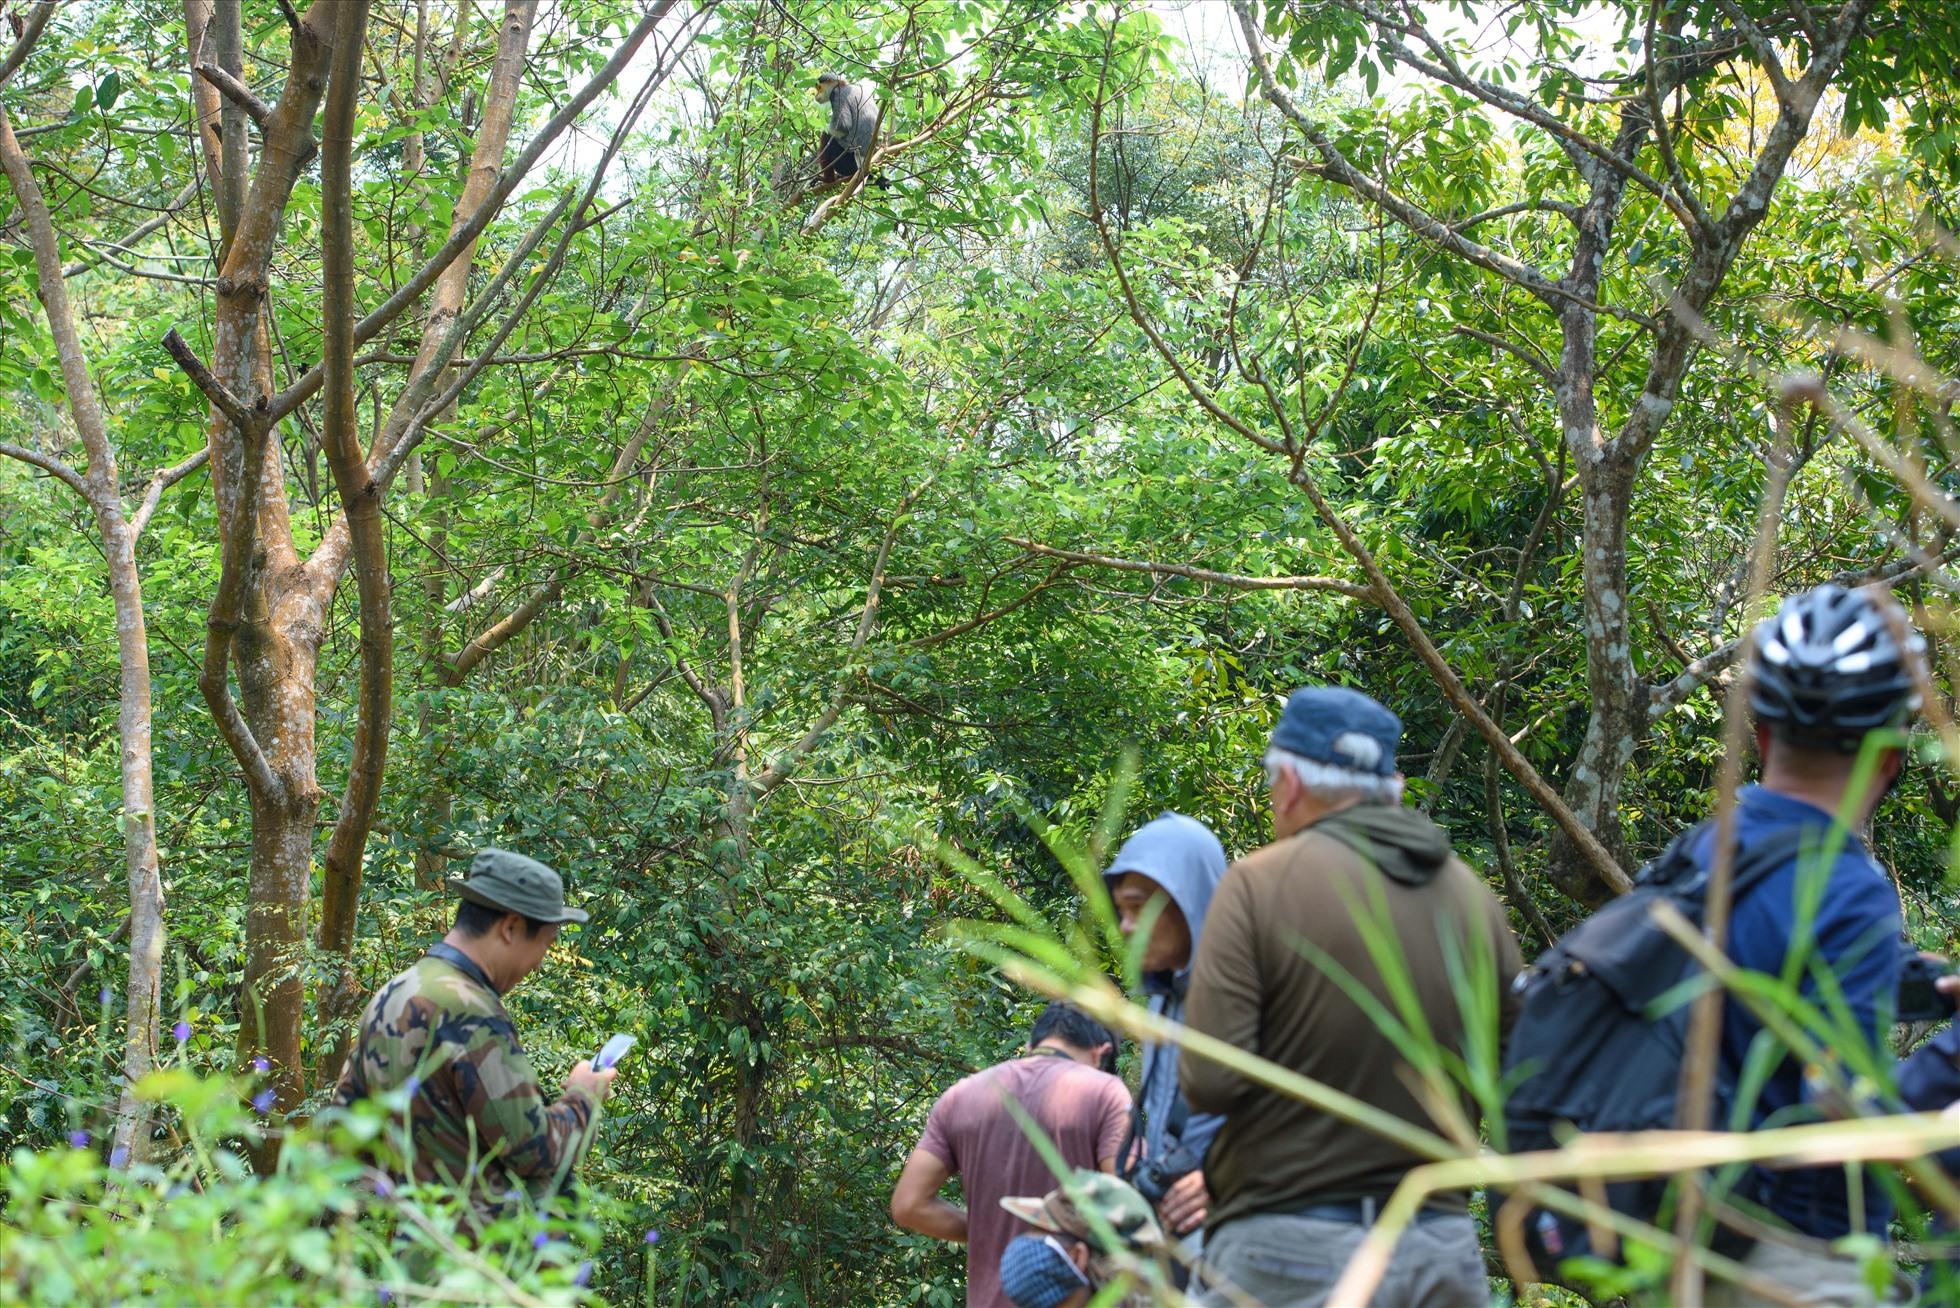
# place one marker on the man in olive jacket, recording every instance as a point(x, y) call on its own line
point(477, 1118)
point(1294, 1190)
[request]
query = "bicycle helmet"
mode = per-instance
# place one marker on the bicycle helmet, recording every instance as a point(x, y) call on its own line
point(1828, 670)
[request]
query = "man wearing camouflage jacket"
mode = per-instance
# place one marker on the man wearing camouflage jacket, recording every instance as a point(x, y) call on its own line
point(477, 1119)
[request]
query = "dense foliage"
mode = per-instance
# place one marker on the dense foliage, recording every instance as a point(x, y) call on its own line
point(791, 539)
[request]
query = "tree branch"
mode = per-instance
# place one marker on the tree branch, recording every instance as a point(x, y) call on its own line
point(360, 499)
point(1564, 209)
point(247, 420)
point(1235, 581)
point(235, 91)
point(1524, 353)
point(464, 235)
point(163, 480)
point(1384, 592)
point(1337, 169)
point(1762, 47)
point(30, 32)
point(49, 464)
point(785, 762)
point(1671, 694)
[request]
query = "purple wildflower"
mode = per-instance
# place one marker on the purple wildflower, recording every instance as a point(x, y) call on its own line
point(102, 996)
point(260, 1066)
point(653, 1236)
point(118, 1156)
point(182, 1031)
point(540, 1240)
point(79, 1139)
point(384, 1294)
point(412, 1084)
point(384, 1187)
point(264, 1100)
point(583, 1274)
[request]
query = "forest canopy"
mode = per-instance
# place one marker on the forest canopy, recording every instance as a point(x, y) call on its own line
point(436, 424)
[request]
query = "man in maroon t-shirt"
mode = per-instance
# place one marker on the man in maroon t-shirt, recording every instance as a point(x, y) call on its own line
point(973, 1135)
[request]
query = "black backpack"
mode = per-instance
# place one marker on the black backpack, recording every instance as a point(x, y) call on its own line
point(1592, 1053)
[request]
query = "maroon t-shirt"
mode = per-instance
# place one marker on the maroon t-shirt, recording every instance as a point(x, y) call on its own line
point(1085, 1113)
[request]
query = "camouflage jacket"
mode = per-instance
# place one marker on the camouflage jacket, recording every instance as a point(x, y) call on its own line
point(476, 1116)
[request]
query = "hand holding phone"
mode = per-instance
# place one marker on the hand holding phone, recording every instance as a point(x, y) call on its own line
point(616, 1049)
point(1921, 999)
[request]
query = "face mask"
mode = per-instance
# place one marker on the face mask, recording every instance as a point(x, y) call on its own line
point(1062, 1250)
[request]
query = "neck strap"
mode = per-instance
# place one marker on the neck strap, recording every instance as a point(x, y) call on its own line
point(463, 963)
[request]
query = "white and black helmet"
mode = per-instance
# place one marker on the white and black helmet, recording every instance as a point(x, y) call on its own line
point(1828, 669)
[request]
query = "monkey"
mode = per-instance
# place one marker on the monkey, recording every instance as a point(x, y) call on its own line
point(846, 141)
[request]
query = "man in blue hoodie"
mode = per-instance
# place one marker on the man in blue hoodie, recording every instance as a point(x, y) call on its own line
point(1177, 861)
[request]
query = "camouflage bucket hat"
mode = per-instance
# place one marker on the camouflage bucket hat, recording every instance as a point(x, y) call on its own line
point(516, 884)
point(1115, 1201)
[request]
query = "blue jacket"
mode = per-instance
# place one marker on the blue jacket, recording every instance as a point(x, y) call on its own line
point(1181, 855)
point(1855, 934)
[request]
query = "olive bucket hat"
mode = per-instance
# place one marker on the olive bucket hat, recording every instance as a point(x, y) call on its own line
point(516, 884)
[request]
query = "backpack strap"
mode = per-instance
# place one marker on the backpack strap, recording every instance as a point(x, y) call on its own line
point(1762, 858)
point(1753, 862)
point(1676, 858)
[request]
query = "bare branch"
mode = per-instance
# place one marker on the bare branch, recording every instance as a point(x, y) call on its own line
point(235, 91)
point(30, 32)
point(784, 763)
point(1564, 209)
point(1762, 47)
point(137, 233)
point(1523, 352)
point(1701, 224)
point(707, 694)
point(1583, 838)
point(1671, 694)
point(464, 235)
point(49, 464)
point(499, 633)
point(247, 420)
point(1236, 581)
point(162, 481)
point(1446, 69)
point(98, 487)
point(1336, 168)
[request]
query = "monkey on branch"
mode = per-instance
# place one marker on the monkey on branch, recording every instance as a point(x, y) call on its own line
point(846, 144)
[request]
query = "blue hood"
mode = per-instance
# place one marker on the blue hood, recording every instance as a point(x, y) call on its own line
point(1181, 855)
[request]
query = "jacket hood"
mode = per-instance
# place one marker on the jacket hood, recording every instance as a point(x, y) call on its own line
point(1403, 843)
point(1184, 857)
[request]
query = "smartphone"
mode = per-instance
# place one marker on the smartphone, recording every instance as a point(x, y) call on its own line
point(614, 1051)
point(1919, 999)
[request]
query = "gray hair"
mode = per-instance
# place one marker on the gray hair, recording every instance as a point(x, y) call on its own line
point(1327, 781)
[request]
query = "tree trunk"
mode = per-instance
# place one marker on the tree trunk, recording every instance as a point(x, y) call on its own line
point(276, 678)
point(101, 488)
point(360, 501)
point(1618, 717)
point(133, 725)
